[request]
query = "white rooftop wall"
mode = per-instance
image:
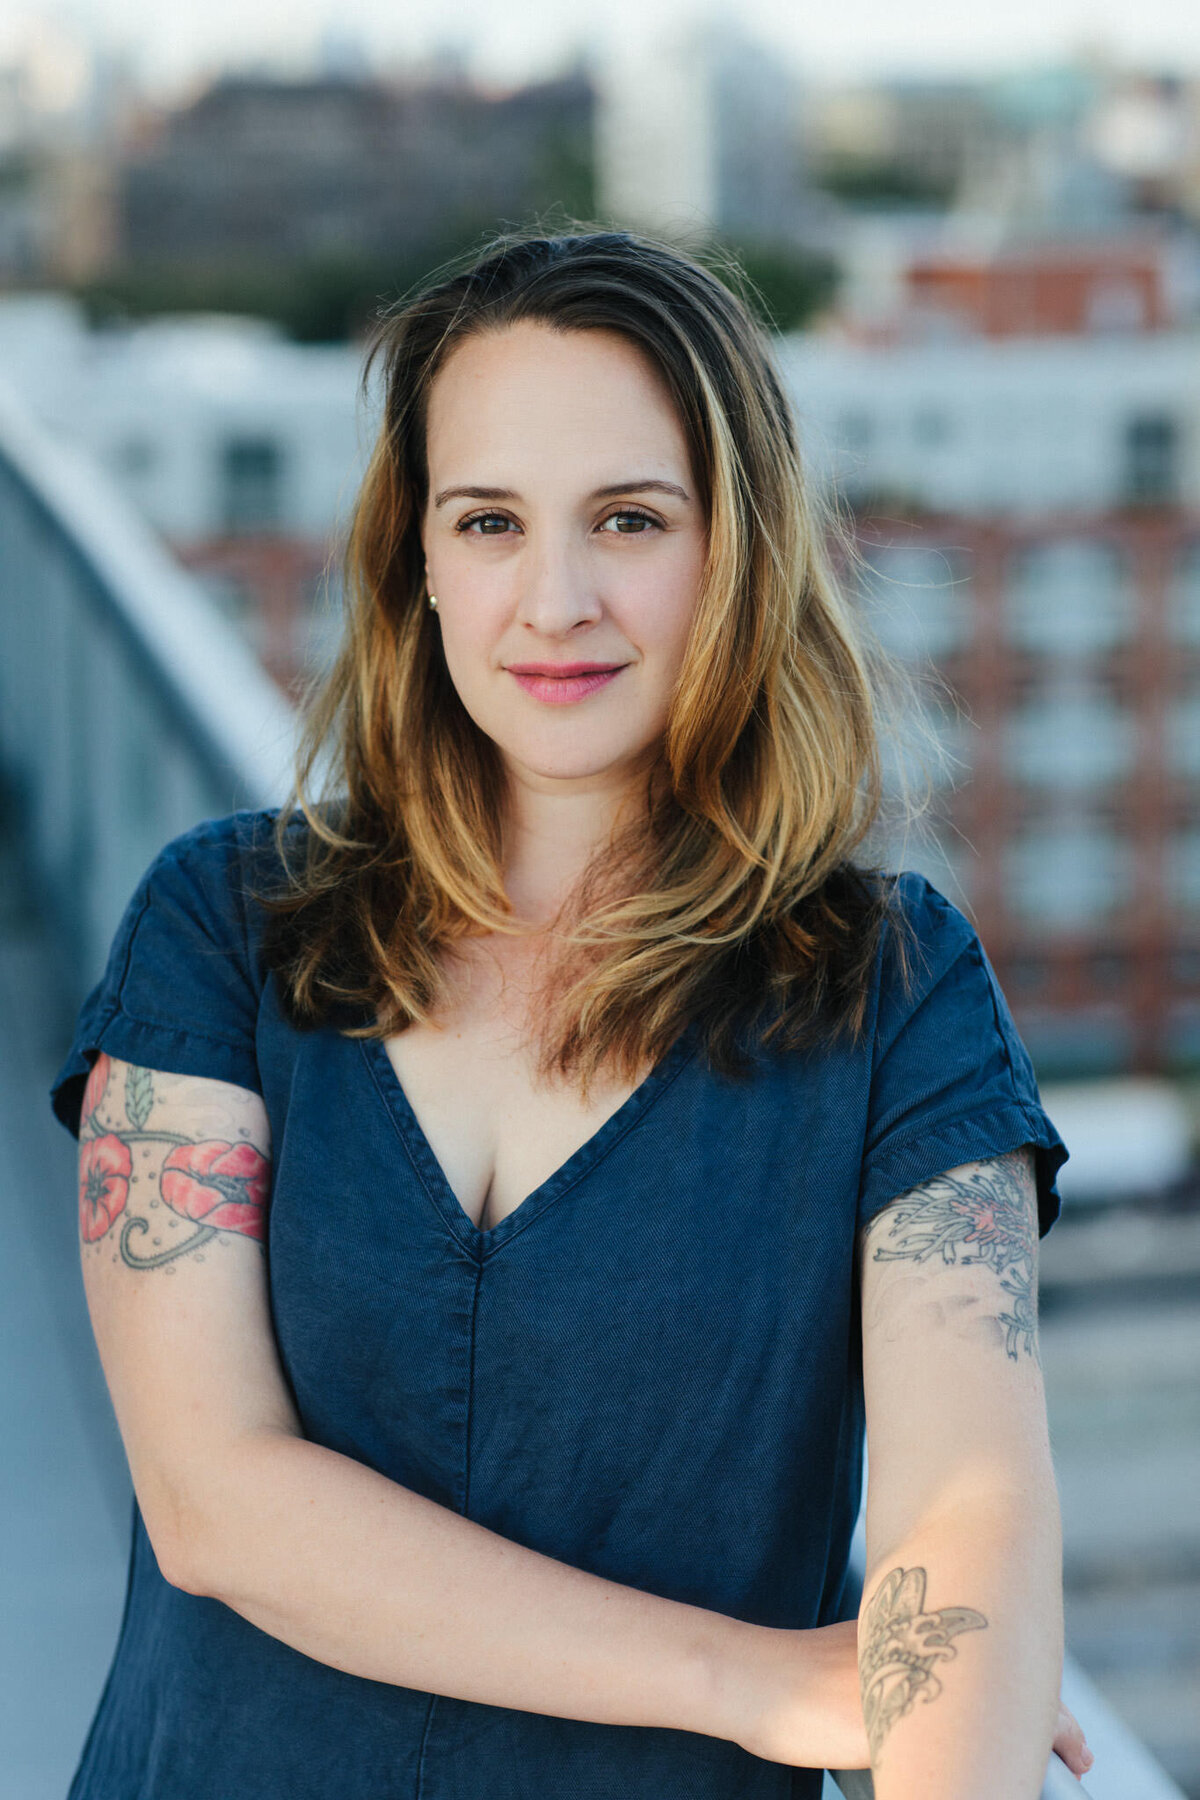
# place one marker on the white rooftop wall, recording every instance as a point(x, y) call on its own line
point(993, 426)
point(156, 404)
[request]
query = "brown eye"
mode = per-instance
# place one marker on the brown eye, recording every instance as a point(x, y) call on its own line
point(487, 521)
point(625, 519)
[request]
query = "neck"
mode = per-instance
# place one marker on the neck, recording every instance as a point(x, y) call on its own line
point(554, 829)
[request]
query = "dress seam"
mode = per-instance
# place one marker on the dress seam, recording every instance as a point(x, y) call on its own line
point(420, 1787)
point(410, 1150)
point(466, 1504)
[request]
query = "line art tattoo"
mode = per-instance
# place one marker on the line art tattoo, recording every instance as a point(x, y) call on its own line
point(901, 1642)
point(215, 1183)
point(982, 1215)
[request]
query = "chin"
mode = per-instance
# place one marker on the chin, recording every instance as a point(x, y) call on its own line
point(580, 761)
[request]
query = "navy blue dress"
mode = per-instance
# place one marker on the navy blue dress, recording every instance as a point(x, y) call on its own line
point(651, 1369)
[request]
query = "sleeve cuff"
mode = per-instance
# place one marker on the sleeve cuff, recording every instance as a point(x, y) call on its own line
point(902, 1166)
point(177, 1052)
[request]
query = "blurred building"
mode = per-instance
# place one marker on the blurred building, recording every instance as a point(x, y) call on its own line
point(291, 170)
point(1027, 514)
point(242, 448)
point(257, 176)
point(903, 140)
point(1038, 290)
point(909, 276)
point(1057, 153)
point(1147, 131)
point(700, 132)
point(62, 102)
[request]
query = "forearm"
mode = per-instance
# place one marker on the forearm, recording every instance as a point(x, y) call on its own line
point(960, 1653)
point(358, 1572)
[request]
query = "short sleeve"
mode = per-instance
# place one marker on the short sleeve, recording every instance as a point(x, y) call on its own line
point(951, 1080)
point(180, 990)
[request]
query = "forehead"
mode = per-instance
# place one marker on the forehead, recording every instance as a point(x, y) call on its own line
point(534, 395)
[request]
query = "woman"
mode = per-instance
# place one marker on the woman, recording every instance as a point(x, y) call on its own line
point(609, 1132)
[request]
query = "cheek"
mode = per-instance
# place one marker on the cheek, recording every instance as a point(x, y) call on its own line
point(666, 605)
point(471, 618)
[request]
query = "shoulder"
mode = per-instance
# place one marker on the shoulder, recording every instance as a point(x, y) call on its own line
point(222, 845)
point(197, 903)
point(924, 935)
point(182, 985)
point(223, 865)
point(921, 914)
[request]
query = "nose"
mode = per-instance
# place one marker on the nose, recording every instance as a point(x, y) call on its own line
point(557, 589)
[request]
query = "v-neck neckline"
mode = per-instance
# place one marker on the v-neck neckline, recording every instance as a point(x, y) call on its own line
point(481, 1243)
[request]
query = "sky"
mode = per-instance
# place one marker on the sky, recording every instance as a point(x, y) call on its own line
point(172, 44)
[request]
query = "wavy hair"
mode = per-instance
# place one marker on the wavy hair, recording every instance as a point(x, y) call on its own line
point(734, 901)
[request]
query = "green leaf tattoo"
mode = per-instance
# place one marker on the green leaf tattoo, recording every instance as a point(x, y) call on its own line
point(139, 1095)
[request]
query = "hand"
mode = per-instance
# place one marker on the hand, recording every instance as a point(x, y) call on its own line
point(1070, 1745)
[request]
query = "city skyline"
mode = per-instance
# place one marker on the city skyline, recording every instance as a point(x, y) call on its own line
point(869, 40)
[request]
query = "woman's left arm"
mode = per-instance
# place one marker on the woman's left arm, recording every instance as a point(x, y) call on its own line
point(960, 1633)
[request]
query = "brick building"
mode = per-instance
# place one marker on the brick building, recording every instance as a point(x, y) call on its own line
point(1026, 508)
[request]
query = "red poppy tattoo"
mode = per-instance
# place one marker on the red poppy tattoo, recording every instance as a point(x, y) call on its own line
point(105, 1167)
point(219, 1185)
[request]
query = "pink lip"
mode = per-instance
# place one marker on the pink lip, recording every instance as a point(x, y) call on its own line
point(561, 683)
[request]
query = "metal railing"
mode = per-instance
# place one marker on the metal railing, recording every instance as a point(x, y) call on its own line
point(129, 710)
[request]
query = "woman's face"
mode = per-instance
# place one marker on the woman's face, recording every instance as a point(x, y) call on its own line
point(565, 542)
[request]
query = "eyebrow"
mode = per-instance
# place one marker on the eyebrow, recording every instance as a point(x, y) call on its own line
point(648, 486)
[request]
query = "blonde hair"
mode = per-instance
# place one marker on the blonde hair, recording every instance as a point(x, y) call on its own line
point(735, 900)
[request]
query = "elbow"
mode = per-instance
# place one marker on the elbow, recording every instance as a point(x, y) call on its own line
point(177, 1537)
point(179, 1563)
point(1023, 1522)
point(177, 1573)
point(191, 1518)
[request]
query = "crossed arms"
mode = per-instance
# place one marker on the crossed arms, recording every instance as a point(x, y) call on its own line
point(949, 1682)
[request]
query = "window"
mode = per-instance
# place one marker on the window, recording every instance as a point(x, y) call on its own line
point(1109, 970)
point(1183, 736)
point(1068, 597)
point(1183, 599)
point(1114, 304)
point(1151, 474)
point(1063, 878)
point(930, 428)
point(251, 472)
point(854, 431)
point(1183, 870)
point(1070, 737)
point(917, 599)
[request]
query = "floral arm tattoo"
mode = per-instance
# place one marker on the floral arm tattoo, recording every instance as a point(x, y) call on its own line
point(899, 1644)
point(985, 1212)
point(141, 1185)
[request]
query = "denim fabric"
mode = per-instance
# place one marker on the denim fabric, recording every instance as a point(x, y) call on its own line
point(651, 1369)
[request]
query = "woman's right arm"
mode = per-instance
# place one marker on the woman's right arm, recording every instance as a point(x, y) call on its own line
point(326, 1554)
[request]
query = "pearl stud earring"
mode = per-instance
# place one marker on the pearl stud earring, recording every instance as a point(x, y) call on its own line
point(433, 602)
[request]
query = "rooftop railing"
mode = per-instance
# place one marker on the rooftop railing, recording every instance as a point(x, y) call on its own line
point(130, 709)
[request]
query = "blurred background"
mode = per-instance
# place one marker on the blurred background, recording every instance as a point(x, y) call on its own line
point(978, 241)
